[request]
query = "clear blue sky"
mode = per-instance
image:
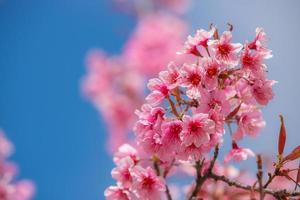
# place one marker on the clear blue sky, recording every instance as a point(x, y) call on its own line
point(59, 136)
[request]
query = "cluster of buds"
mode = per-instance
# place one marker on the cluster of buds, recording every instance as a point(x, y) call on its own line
point(9, 188)
point(185, 117)
point(121, 80)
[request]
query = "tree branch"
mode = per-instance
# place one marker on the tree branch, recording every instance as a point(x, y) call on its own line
point(276, 193)
point(201, 179)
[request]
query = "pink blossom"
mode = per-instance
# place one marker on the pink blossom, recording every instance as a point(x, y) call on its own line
point(225, 51)
point(122, 172)
point(192, 78)
point(171, 134)
point(259, 44)
point(250, 122)
point(238, 154)
point(159, 91)
point(262, 91)
point(147, 185)
point(149, 52)
point(200, 39)
point(197, 129)
point(148, 116)
point(214, 100)
point(125, 151)
point(212, 71)
point(118, 192)
point(6, 148)
point(253, 61)
point(171, 76)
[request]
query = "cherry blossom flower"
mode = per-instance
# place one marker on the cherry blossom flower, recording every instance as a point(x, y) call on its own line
point(148, 52)
point(238, 154)
point(250, 123)
point(122, 172)
point(192, 79)
point(197, 129)
point(214, 100)
point(193, 44)
point(118, 192)
point(11, 189)
point(6, 147)
point(262, 91)
point(159, 91)
point(225, 51)
point(259, 43)
point(147, 184)
point(124, 152)
point(171, 134)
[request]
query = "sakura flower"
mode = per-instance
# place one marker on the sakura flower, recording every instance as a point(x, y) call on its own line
point(148, 52)
point(214, 100)
point(170, 76)
point(122, 172)
point(197, 129)
point(262, 91)
point(6, 147)
point(125, 151)
point(190, 152)
point(259, 44)
point(147, 185)
point(238, 154)
point(212, 71)
point(118, 192)
point(191, 78)
point(159, 91)
point(171, 134)
point(200, 39)
point(148, 116)
point(250, 123)
point(252, 61)
point(225, 51)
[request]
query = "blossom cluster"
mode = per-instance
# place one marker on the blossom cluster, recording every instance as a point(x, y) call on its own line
point(112, 82)
point(9, 188)
point(190, 104)
point(186, 113)
point(133, 180)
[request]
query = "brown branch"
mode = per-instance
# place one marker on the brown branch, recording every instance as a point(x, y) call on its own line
point(157, 170)
point(201, 179)
point(276, 193)
point(168, 194)
point(173, 107)
point(259, 176)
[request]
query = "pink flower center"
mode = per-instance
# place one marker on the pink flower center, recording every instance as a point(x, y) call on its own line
point(211, 72)
point(224, 49)
point(147, 182)
point(195, 78)
point(248, 60)
point(176, 129)
point(195, 127)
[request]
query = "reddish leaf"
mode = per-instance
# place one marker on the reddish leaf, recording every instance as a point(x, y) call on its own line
point(282, 136)
point(293, 155)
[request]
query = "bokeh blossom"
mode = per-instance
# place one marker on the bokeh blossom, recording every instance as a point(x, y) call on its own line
point(11, 189)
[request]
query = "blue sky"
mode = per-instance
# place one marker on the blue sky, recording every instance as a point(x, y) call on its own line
point(59, 136)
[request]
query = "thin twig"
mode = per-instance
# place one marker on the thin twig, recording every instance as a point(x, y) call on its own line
point(260, 176)
point(275, 193)
point(201, 179)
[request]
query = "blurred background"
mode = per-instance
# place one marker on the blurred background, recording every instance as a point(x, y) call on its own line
point(59, 136)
